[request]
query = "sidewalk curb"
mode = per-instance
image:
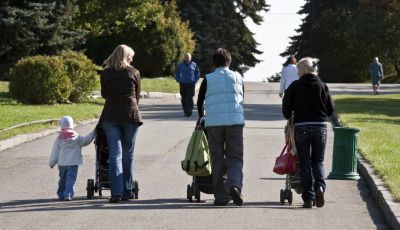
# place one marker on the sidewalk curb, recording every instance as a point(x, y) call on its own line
point(381, 194)
point(23, 138)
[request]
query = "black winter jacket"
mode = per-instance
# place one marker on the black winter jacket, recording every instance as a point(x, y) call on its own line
point(309, 99)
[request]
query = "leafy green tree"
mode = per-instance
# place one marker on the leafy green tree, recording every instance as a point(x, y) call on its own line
point(220, 23)
point(162, 44)
point(107, 17)
point(384, 32)
point(159, 43)
point(34, 27)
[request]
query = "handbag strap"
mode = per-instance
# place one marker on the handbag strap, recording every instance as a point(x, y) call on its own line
point(284, 148)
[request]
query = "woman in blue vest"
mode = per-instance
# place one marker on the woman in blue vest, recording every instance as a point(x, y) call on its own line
point(222, 91)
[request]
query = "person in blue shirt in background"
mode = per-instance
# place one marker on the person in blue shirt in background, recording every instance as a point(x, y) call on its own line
point(187, 74)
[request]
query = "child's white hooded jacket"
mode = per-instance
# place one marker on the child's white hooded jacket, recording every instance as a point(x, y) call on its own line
point(67, 148)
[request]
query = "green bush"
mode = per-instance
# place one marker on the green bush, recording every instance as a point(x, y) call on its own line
point(82, 74)
point(40, 80)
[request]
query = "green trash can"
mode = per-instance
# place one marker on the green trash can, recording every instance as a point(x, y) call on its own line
point(344, 162)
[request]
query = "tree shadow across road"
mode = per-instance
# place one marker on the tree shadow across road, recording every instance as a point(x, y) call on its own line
point(81, 203)
point(255, 112)
point(263, 112)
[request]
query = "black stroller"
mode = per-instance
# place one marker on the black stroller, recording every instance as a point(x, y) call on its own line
point(199, 184)
point(292, 180)
point(101, 181)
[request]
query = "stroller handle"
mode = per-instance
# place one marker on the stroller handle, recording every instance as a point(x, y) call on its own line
point(200, 122)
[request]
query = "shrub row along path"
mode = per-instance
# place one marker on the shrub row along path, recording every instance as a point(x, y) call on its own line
point(28, 185)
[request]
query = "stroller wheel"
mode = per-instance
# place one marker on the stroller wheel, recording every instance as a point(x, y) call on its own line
point(90, 188)
point(135, 190)
point(197, 194)
point(290, 197)
point(188, 195)
point(282, 197)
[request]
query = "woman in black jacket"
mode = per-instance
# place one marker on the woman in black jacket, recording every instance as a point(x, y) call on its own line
point(120, 119)
point(309, 101)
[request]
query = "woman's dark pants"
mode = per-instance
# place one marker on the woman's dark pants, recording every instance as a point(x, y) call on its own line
point(310, 143)
point(187, 94)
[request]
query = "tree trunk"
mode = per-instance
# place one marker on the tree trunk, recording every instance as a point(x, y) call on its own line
point(397, 68)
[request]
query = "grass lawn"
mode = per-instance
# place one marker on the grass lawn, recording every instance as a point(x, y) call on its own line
point(378, 117)
point(162, 84)
point(165, 85)
point(13, 113)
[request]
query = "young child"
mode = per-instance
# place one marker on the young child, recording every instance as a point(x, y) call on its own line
point(67, 153)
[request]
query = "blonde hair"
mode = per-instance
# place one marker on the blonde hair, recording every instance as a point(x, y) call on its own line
point(308, 65)
point(119, 57)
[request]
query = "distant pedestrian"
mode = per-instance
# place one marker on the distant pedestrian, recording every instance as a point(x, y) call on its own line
point(120, 119)
point(288, 74)
point(223, 92)
point(376, 72)
point(308, 99)
point(67, 154)
point(187, 74)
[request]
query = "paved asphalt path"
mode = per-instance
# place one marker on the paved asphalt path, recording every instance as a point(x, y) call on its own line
point(28, 185)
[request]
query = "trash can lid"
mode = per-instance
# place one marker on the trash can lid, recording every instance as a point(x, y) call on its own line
point(346, 128)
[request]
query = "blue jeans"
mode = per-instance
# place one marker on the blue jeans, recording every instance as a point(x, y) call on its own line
point(121, 144)
point(310, 143)
point(67, 180)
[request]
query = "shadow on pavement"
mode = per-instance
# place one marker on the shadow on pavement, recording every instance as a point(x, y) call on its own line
point(81, 203)
point(263, 112)
point(374, 211)
point(258, 112)
point(165, 112)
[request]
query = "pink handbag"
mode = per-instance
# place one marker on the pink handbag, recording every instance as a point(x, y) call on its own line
point(285, 163)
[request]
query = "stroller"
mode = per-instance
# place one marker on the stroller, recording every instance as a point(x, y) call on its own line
point(101, 181)
point(292, 180)
point(199, 183)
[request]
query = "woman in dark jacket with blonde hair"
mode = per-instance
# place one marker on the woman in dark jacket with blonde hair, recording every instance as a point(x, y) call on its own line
point(120, 119)
point(309, 101)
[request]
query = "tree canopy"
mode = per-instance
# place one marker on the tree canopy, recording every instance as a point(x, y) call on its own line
point(220, 23)
point(154, 30)
point(345, 35)
point(34, 27)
